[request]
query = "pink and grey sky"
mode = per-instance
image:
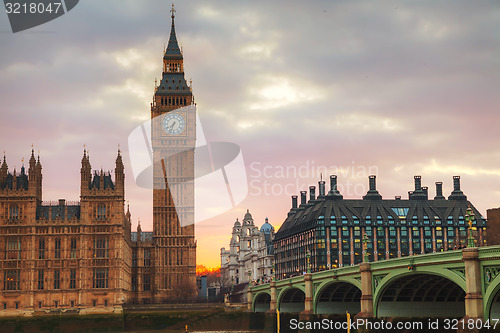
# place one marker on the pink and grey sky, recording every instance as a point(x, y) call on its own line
point(392, 88)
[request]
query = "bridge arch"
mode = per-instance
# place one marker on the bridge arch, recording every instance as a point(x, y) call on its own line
point(292, 299)
point(261, 302)
point(491, 299)
point(337, 297)
point(422, 293)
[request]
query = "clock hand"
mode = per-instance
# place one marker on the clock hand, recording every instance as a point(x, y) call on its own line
point(171, 127)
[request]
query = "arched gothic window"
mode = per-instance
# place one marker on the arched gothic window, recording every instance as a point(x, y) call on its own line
point(101, 211)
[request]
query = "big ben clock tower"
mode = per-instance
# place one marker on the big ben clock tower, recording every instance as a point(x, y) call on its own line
point(173, 131)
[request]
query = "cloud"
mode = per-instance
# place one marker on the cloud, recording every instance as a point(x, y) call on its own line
point(409, 87)
point(272, 92)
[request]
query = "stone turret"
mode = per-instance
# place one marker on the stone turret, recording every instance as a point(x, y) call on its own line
point(86, 172)
point(119, 174)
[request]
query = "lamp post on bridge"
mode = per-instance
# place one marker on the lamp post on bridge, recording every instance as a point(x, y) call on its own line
point(469, 218)
point(308, 256)
point(365, 244)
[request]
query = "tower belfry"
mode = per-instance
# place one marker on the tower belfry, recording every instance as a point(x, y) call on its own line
point(173, 140)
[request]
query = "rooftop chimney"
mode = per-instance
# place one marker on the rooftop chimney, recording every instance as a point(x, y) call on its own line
point(418, 193)
point(439, 191)
point(372, 193)
point(303, 197)
point(312, 193)
point(418, 183)
point(294, 206)
point(457, 194)
point(333, 183)
point(456, 183)
point(373, 184)
point(62, 202)
point(334, 193)
point(321, 186)
point(425, 189)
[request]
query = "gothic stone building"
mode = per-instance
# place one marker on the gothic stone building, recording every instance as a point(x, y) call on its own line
point(83, 256)
point(64, 255)
point(331, 228)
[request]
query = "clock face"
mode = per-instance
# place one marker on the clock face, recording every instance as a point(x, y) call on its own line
point(173, 123)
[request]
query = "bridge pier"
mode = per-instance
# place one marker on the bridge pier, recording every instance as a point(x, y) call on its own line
point(366, 291)
point(274, 300)
point(308, 302)
point(249, 296)
point(474, 296)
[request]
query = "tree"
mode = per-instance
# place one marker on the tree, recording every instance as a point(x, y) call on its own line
point(212, 274)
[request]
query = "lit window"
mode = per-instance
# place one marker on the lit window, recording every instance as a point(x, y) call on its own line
point(11, 279)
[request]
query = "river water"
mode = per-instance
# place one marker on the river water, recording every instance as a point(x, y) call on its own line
point(181, 331)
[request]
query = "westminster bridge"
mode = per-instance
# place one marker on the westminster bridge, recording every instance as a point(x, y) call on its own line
point(460, 283)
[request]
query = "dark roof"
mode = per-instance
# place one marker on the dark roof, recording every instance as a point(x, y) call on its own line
point(173, 51)
point(247, 216)
point(96, 181)
point(371, 211)
point(266, 228)
point(58, 211)
point(145, 236)
point(173, 84)
point(21, 181)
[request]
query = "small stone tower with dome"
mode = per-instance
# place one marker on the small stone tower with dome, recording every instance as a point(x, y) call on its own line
point(250, 255)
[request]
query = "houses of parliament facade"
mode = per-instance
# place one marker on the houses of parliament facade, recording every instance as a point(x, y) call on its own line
point(82, 257)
